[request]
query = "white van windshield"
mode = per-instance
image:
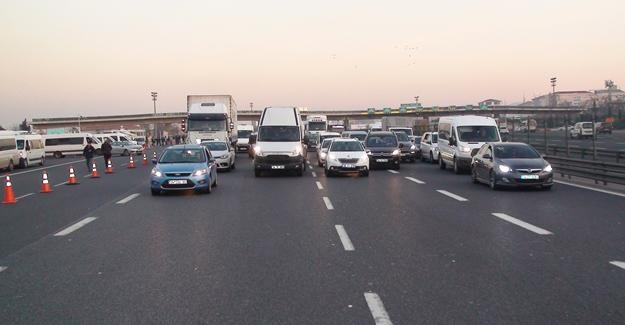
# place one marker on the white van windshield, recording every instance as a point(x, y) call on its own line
point(478, 133)
point(20, 144)
point(278, 133)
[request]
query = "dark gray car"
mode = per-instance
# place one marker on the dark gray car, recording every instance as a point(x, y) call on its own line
point(383, 149)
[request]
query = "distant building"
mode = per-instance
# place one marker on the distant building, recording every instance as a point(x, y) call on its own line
point(581, 98)
point(490, 102)
point(614, 95)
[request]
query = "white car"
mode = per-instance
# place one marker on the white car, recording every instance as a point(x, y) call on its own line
point(346, 156)
point(429, 147)
point(581, 130)
point(322, 151)
point(222, 152)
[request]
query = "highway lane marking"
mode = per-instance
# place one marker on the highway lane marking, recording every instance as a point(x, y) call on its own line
point(618, 264)
point(452, 195)
point(60, 184)
point(310, 166)
point(347, 243)
point(522, 224)
point(328, 203)
point(2, 268)
point(319, 186)
point(128, 198)
point(23, 196)
point(46, 167)
point(314, 174)
point(75, 226)
point(590, 188)
point(412, 179)
point(380, 316)
point(392, 171)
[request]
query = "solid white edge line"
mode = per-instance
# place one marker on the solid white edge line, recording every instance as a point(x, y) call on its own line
point(23, 196)
point(314, 174)
point(392, 171)
point(590, 188)
point(618, 264)
point(75, 226)
point(412, 179)
point(347, 243)
point(452, 195)
point(522, 224)
point(380, 316)
point(328, 203)
point(319, 186)
point(128, 198)
point(2, 268)
point(45, 168)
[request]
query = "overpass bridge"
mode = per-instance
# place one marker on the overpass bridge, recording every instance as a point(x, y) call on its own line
point(171, 121)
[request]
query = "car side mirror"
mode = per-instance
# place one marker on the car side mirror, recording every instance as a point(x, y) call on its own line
point(487, 156)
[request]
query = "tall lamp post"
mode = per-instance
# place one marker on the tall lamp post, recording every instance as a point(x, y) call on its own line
point(154, 95)
point(79, 118)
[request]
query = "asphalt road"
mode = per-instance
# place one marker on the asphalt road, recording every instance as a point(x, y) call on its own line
point(420, 246)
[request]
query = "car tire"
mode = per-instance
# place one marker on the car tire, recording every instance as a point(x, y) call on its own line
point(492, 182)
point(456, 167)
point(441, 163)
point(10, 166)
point(125, 153)
point(58, 155)
point(422, 158)
point(327, 172)
point(42, 161)
point(365, 173)
point(155, 192)
point(233, 166)
point(431, 158)
point(256, 172)
point(474, 176)
point(320, 164)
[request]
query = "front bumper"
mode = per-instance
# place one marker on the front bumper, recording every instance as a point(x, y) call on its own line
point(196, 183)
point(223, 163)
point(383, 160)
point(409, 154)
point(513, 179)
point(278, 162)
point(340, 168)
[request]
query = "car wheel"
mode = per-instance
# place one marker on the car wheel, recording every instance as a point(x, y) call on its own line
point(397, 167)
point(422, 158)
point(474, 176)
point(155, 192)
point(431, 158)
point(327, 172)
point(492, 182)
point(42, 161)
point(233, 166)
point(365, 173)
point(256, 172)
point(10, 166)
point(441, 163)
point(58, 155)
point(125, 153)
point(456, 167)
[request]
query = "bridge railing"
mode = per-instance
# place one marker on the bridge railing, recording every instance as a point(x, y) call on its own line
point(598, 171)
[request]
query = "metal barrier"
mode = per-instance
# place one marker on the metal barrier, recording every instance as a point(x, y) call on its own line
point(582, 153)
point(598, 171)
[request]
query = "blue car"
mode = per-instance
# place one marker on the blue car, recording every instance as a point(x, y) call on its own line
point(184, 167)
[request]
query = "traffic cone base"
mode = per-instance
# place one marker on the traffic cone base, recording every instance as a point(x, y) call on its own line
point(94, 172)
point(109, 168)
point(9, 196)
point(132, 163)
point(145, 160)
point(72, 177)
point(45, 184)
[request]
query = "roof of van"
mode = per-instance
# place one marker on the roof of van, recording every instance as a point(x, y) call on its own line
point(280, 116)
point(468, 120)
point(68, 135)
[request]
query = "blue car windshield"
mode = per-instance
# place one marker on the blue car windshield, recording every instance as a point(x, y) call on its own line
point(181, 156)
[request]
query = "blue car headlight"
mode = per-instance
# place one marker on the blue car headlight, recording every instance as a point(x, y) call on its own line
point(200, 172)
point(156, 172)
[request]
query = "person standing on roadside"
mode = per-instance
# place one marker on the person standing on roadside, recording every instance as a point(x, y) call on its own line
point(107, 151)
point(88, 152)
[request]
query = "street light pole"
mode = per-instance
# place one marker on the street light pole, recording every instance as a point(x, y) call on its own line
point(79, 129)
point(154, 95)
point(251, 107)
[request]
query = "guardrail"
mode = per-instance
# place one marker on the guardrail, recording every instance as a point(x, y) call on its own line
point(582, 153)
point(599, 171)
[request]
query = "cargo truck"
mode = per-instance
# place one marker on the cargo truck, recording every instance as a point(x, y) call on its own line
point(211, 117)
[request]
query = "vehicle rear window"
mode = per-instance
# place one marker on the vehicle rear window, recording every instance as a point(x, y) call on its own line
point(183, 156)
point(587, 125)
point(515, 151)
point(346, 146)
point(326, 143)
point(401, 136)
point(385, 140)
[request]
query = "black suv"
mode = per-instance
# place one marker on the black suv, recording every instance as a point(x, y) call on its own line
point(383, 149)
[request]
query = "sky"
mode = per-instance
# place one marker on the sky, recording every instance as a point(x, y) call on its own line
point(79, 57)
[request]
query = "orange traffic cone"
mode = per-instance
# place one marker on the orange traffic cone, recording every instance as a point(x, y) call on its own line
point(45, 184)
point(145, 160)
point(9, 196)
point(131, 164)
point(94, 172)
point(109, 167)
point(72, 177)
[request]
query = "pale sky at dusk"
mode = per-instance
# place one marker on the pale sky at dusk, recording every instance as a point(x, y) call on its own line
point(69, 58)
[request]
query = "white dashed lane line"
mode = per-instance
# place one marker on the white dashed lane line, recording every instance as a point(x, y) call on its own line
point(60, 184)
point(452, 195)
point(618, 264)
point(23, 196)
point(128, 198)
point(380, 316)
point(328, 203)
point(319, 186)
point(347, 243)
point(314, 174)
point(412, 179)
point(522, 224)
point(75, 226)
point(393, 171)
point(2, 268)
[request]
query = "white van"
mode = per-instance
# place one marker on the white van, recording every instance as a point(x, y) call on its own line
point(59, 145)
point(31, 148)
point(115, 137)
point(243, 136)
point(460, 137)
point(280, 144)
point(9, 156)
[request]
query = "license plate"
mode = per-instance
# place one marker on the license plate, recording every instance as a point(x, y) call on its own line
point(529, 176)
point(381, 160)
point(277, 167)
point(177, 181)
point(349, 166)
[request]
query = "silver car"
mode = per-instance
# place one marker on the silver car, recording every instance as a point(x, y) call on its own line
point(429, 147)
point(322, 151)
point(223, 153)
point(125, 148)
